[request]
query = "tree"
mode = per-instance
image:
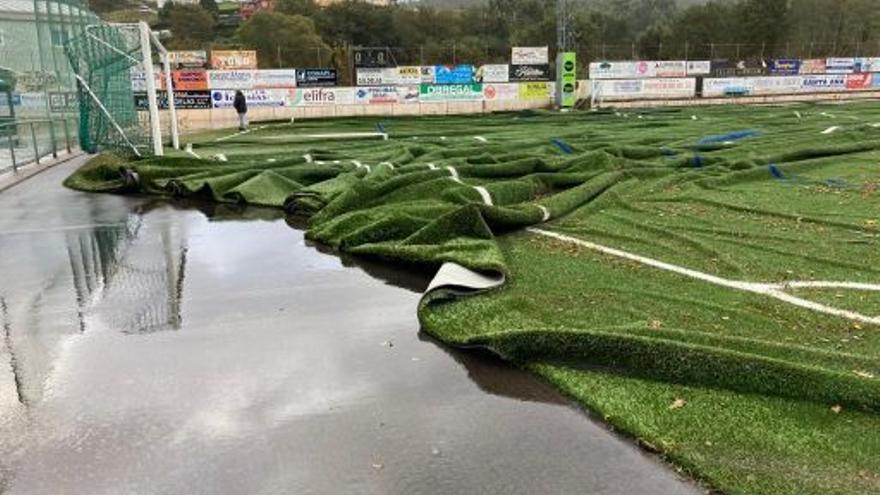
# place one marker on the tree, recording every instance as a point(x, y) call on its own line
point(284, 40)
point(191, 25)
point(211, 7)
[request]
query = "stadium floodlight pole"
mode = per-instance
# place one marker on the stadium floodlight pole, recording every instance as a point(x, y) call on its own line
point(155, 125)
point(169, 86)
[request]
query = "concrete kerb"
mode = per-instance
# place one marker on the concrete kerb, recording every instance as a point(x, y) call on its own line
point(11, 179)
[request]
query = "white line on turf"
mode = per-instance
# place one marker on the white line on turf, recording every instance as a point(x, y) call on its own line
point(831, 130)
point(484, 194)
point(481, 139)
point(776, 291)
point(225, 138)
point(545, 212)
point(308, 158)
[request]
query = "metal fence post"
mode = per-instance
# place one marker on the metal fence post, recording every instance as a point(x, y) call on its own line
point(12, 151)
point(52, 137)
point(66, 135)
point(36, 148)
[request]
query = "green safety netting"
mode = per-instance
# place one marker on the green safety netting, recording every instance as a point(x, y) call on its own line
point(103, 56)
point(705, 279)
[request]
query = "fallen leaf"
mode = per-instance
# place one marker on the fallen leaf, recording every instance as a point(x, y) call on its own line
point(677, 404)
point(836, 408)
point(655, 325)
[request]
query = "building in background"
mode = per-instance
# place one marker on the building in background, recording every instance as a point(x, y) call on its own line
point(250, 7)
point(381, 3)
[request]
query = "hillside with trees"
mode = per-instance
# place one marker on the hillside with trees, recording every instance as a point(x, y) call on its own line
point(300, 33)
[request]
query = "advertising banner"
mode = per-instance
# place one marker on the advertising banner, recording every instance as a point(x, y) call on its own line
point(231, 79)
point(275, 78)
point(823, 82)
point(567, 69)
point(315, 78)
point(409, 75)
point(304, 97)
point(699, 68)
point(183, 100)
point(670, 68)
point(619, 70)
point(408, 93)
point(450, 92)
point(458, 74)
point(501, 91)
point(372, 58)
point(784, 67)
point(223, 98)
point(190, 79)
point(188, 59)
point(428, 74)
point(859, 81)
point(233, 59)
point(529, 73)
point(139, 79)
point(493, 73)
point(63, 102)
point(754, 86)
point(377, 76)
point(871, 64)
point(840, 65)
point(634, 89)
point(29, 101)
point(742, 68)
point(375, 95)
point(534, 91)
point(530, 55)
point(813, 66)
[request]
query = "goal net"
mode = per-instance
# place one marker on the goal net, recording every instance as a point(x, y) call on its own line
point(123, 80)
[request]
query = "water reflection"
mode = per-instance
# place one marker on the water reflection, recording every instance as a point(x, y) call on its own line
point(128, 278)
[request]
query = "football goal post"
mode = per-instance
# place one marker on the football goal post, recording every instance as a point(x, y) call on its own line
point(122, 91)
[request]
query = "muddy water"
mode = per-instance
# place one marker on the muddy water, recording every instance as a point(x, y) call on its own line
point(148, 348)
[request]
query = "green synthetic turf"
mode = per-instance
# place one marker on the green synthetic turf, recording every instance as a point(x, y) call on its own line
point(784, 202)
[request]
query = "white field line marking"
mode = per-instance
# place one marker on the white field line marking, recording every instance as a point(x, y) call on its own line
point(776, 291)
point(388, 164)
point(220, 157)
point(190, 152)
point(826, 114)
point(831, 130)
point(332, 135)
point(357, 163)
point(481, 139)
point(484, 193)
point(545, 212)
point(225, 138)
point(308, 158)
point(432, 166)
point(797, 114)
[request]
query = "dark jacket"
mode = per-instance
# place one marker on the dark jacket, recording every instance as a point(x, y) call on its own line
point(240, 104)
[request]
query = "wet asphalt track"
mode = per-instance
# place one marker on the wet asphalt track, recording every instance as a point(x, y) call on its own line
point(156, 349)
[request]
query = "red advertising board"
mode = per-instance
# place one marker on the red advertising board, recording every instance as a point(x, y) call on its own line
point(190, 80)
point(858, 81)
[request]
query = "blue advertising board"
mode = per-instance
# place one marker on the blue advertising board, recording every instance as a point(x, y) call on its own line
point(458, 74)
point(784, 67)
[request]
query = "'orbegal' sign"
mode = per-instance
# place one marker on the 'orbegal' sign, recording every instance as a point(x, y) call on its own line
point(450, 92)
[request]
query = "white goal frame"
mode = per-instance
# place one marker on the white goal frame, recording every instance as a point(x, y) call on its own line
point(148, 40)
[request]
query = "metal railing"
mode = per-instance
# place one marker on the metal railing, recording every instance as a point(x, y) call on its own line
point(29, 141)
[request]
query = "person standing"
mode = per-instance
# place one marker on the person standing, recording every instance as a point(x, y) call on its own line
point(240, 105)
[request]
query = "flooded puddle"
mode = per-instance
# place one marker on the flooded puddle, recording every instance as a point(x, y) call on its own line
point(154, 348)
